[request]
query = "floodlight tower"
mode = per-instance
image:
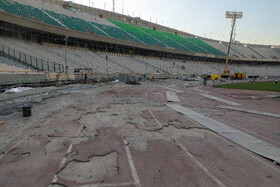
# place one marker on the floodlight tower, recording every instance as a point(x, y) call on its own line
point(232, 15)
point(113, 5)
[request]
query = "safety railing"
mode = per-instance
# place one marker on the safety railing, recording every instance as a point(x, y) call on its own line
point(31, 61)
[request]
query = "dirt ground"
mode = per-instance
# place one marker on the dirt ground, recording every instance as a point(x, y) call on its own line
point(126, 135)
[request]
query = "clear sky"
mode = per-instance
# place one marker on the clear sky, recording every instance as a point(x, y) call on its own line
point(260, 23)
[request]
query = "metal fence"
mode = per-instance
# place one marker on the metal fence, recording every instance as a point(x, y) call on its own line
point(34, 62)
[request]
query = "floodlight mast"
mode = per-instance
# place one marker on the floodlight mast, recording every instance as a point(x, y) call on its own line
point(113, 5)
point(232, 15)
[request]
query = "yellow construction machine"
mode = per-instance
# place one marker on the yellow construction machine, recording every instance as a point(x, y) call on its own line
point(238, 76)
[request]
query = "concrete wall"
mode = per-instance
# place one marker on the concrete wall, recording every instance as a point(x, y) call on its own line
point(21, 77)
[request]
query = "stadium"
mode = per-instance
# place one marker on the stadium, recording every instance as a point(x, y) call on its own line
point(119, 101)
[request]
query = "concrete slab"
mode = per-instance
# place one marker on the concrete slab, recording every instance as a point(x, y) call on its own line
point(249, 142)
point(172, 97)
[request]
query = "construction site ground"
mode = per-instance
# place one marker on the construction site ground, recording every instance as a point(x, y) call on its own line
point(129, 135)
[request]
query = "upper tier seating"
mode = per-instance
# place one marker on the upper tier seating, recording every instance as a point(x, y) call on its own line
point(147, 39)
point(189, 45)
point(206, 46)
point(26, 11)
point(57, 16)
point(76, 23)
point(115, 32)
point(267, 52)
point(168, 40)
point(163, 38)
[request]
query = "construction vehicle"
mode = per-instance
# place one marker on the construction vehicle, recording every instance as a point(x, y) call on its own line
point(238, 76)
point(215, 77)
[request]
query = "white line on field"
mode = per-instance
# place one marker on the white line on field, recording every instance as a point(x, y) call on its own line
point(198, 89)
point(220, 99)
point(17, 144)
point(1, 156)
point(131, 164)
point(194, 159)
point(179, 91)
point(108, 185)
point(153, 116)
point(200, 165)
point(251, 111)
point(62, 163)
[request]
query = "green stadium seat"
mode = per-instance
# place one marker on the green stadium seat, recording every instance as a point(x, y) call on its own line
point(117, 33)
point(163, 38)
point(189, 45)
point(206, 46)
point(138, 34)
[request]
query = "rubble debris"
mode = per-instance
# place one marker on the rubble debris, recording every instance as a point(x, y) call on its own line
point(17, 90)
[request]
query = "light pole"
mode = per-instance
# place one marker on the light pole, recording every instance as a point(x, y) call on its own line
point(42, 10)
point(107, 65)
point(65, 63)
point(233, 16)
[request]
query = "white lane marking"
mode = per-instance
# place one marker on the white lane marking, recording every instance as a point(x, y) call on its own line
point(220, 99)
point(173, 85)
point(194, 159)
point(200, 165)
point(108, 185)
point(131, 164)
point(178, 91)
point(272, 96)
point(64, 159)
point(6, 152)
point(197, 89)
point(17, 144)
point(54, 179)
point(153, 116)
point(62, 163)
point(251, 111)
point(146, 94)
point(162, 96)
point(172, 97)
point(47, 122)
